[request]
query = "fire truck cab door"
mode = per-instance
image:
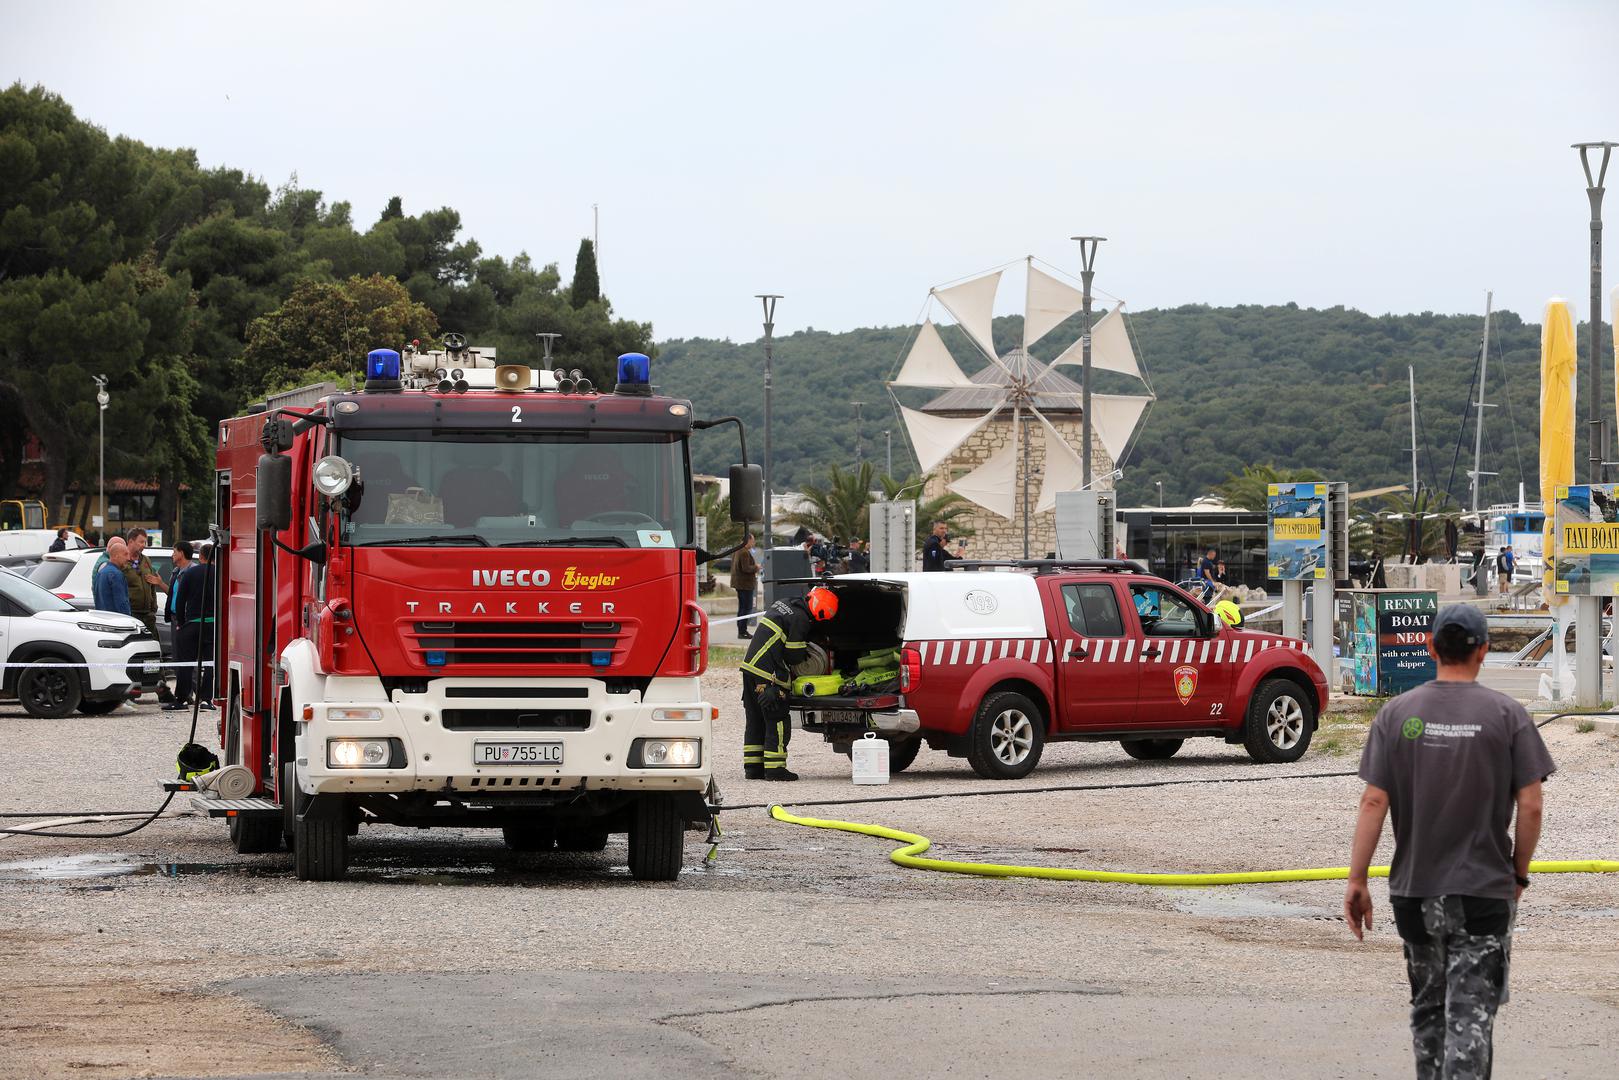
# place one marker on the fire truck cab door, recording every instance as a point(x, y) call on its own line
point(1097, 678)
point(1185, 678)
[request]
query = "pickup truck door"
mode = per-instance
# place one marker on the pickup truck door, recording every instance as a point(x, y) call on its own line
point(1097, 675)
point(1185, 675)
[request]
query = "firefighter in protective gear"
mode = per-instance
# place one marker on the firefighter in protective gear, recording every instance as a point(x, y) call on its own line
point(1229, 613)
point(778, 645)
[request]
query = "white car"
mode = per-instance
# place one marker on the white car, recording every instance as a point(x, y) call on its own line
point(58, 658)
point(69, 574)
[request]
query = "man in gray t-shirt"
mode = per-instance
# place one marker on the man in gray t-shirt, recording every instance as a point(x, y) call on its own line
point(1451, 760)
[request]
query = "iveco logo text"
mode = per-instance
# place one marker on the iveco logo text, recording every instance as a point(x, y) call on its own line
point(509, 578)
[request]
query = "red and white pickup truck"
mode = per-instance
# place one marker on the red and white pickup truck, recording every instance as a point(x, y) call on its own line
point(995, 663)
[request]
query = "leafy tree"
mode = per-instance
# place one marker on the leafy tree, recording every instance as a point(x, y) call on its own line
point(326, 327)
point(586, 287)
point(1250, 489)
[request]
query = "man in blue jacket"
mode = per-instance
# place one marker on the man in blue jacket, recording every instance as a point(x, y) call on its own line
point(109, 587)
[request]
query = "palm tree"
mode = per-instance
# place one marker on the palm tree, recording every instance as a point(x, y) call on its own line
point(1249, 490)
point(949, 508)
point(841, 506)
point(723, 533)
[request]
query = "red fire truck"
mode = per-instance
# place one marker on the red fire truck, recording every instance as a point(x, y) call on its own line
point(466, 596)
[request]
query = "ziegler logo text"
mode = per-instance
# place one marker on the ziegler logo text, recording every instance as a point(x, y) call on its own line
point(572, 579)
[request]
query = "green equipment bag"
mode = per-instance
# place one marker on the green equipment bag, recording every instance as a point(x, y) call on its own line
point(886, 658)
point(873, 678)
point(817, 685)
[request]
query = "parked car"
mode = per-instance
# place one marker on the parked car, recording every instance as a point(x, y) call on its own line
point(42, 636)
point(993, 664)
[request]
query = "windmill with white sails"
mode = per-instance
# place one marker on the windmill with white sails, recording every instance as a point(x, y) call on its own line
point(1019, 387)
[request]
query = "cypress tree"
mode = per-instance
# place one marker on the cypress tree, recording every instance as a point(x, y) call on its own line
point(586, 282)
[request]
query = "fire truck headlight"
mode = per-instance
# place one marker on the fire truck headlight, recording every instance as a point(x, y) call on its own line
point(677, 714)
point(666, 754)
point(364, 754)
point(333, 475)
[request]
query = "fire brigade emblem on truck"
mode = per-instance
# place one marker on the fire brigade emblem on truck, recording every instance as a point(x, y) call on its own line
point(1185, 683)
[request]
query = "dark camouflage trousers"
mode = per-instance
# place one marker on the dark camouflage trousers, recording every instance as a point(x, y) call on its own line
point(1458, 980)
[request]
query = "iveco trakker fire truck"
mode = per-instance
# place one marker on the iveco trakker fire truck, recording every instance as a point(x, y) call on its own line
point(466, 596)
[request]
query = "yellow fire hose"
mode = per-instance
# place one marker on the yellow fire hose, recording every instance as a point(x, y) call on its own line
point(910, 856)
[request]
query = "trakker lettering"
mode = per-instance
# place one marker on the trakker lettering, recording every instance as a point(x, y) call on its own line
point(540, 607)
point(573, 579)
point(510, 578)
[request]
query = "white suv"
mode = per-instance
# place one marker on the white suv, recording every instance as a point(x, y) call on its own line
point(43, 637)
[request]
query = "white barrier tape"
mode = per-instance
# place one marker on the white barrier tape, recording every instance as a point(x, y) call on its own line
point(121, 667)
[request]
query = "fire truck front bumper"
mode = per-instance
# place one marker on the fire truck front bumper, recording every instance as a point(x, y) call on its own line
point(507, 736)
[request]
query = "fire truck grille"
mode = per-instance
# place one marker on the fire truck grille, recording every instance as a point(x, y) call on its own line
point(573, 643)
point(516, 719)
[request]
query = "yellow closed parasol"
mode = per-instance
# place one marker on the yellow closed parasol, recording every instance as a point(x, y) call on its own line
point(1557, 369)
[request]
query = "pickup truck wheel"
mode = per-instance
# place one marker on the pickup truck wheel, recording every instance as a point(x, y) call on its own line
point(1007, 737)
point(1152, 749)
point(530, 836)
point(657, 839)
point(48, 692)
point(321, 841)
point(1280, 721)
point(902, 752)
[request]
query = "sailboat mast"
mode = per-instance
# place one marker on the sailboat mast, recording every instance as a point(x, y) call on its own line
point(1411, 371)
point(1478, 427)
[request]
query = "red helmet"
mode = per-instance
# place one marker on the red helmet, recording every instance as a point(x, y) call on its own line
point(822, 603)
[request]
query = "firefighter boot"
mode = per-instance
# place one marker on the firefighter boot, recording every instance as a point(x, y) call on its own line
point(779, 772)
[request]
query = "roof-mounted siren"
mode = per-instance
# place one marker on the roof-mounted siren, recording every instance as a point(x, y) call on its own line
point(381, 370)
point(634, 375)
point(514, 378)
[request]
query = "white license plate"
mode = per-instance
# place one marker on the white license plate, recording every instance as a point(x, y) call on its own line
point(517, 753)
point(842, 716)
point(152, 669)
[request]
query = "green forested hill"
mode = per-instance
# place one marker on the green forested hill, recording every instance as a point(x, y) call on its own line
point(1286, 386)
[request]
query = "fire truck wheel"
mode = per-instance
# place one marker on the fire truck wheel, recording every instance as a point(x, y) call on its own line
point(321, 843)
point(581, 838)
point(255, 835)
point(1152, 749)
point(46, 691)
point(529, 836)
point(1280, 721)
point(1007, 737)
point(902, 752)
point(657, 839)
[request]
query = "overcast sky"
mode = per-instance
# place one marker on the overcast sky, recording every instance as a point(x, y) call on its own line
point(1390, 157)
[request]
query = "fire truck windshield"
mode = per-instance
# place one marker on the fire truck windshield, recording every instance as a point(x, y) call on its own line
point(585, 489)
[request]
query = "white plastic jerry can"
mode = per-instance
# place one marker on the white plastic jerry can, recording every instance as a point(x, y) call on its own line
point(870, 759)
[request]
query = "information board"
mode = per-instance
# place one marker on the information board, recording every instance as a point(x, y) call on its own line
point(1586, 544)
point(1404, 625)
point(1296, 546)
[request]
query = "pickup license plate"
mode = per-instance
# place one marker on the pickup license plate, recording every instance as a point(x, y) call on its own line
point(151, 669)
point(517, 753)
point(842, 716)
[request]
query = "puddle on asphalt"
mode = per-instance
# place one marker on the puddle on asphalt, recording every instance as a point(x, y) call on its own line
point(564, 871)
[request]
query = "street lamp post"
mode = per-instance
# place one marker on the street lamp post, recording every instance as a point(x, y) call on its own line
point(1160, 484)
point(769, 301)
point(858, 450)
point(1087, 260)
point(888, 451)
point(1593, 191)
point(102, 400)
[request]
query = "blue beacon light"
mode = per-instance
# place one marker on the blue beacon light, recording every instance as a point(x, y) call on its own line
point(634, 375)
point(382, 370)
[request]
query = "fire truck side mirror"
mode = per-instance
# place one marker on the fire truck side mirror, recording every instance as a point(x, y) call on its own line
point(747, 494)
point(273, 492)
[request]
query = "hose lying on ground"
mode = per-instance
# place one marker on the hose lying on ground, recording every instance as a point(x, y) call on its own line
point(910, 856)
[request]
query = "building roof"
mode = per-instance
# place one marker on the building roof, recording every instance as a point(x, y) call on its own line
point(1054, 393)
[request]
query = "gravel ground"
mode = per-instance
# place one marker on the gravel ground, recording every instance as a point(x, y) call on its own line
point(156, 920)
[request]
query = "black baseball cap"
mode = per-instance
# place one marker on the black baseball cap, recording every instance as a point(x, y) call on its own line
point(1469, 618)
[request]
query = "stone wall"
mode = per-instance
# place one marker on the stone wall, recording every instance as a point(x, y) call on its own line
point(996, 537)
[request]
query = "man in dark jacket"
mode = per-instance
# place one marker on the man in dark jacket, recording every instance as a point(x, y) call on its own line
point(934, 552)
point(194, 614)
point(767, 672)
point(745, 580)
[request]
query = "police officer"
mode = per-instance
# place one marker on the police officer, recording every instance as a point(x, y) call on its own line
point(1452, 760)
point(767, 672)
